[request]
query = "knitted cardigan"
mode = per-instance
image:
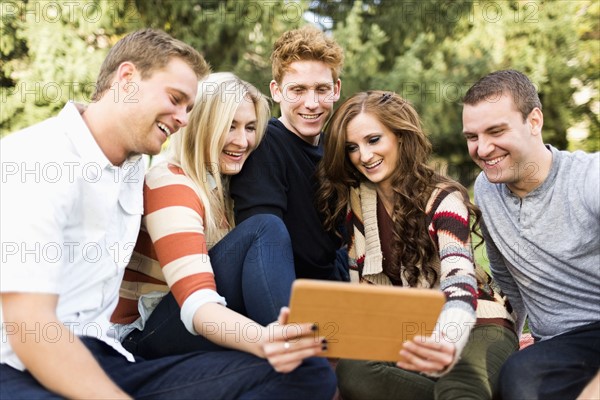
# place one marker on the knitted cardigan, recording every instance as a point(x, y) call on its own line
point(469, 290)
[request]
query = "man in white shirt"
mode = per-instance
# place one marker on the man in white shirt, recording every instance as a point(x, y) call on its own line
point(71, 206)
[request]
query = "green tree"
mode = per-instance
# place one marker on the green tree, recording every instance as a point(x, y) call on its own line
point(361, 51)
point(65, 44)
point(437, 49)
point(429, 51)
point(233, 35)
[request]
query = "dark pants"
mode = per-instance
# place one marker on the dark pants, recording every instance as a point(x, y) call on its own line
point(557, 368)
point(209, 375)
point(254, 270)
point(474, 376)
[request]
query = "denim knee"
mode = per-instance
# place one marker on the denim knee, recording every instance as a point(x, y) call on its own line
point(318, 378)
point(268, 223)
point(517, 378)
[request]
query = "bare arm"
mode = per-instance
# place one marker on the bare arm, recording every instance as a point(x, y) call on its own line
point(227, 328)
point(63, 365)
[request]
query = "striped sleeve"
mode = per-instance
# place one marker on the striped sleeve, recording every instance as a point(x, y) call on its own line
point(174, 220)
point(450, 230)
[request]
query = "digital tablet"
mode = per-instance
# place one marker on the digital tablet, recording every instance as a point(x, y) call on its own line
point(365, 322)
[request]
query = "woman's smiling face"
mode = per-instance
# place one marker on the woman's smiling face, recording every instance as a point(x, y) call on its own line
point(372, 148)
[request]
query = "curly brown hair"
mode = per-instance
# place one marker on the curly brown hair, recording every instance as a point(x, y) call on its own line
point(305, 44)
point(413, 180)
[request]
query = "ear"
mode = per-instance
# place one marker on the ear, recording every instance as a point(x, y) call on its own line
point(275, 91)
point(125, 73)
point(536, 121)
point(337, 90)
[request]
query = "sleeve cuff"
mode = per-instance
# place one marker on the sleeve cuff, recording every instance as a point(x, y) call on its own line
point(454, 327)
point(195, 301)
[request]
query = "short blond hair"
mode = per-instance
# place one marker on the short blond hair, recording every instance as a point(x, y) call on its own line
point(149, 50)
point(306, 44)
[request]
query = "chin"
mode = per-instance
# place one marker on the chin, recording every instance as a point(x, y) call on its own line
point(232, 169)
point(494, 176)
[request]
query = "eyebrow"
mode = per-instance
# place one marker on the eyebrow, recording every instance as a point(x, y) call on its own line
point(247, 123)
point(368, 136)
point(184, 98)
point(316, 85)
point(488, 129)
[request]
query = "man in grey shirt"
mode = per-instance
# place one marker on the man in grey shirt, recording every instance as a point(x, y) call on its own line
point(541, 211)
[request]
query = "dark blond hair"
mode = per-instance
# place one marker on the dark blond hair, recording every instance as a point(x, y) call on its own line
point(305, 44)
point(149, 50)
point(413, 180)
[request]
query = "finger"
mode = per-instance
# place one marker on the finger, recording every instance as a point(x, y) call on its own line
point(292, 331)
point(284, 313)
point(430, 348)
point(415, 363)
point(294, 345)
point(416, 356)
point(290, 358)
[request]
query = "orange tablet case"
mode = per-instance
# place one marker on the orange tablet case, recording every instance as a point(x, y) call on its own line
point(365, 322)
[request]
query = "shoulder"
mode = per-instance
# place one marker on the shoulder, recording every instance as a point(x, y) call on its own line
point(582, 162)
point(167, 185)
point(166, 174)
point(42, 141)
point(446, 198)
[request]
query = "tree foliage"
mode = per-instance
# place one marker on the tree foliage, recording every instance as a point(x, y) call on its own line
point(429, 51)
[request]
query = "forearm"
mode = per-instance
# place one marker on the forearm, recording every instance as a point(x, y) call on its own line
point(63, 365)
point(228, 328)
point(67, 368)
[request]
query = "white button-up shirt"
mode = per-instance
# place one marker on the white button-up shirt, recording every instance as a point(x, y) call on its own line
point(69, 222)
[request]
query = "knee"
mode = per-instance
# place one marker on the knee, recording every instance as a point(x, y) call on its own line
point(350, 380)
point(447, 389)
point(269, 224)
point(318, 377)
point(515, 376)
point(515, 369)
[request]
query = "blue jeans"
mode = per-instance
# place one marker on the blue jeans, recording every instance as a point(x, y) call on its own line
point(557, 368)
point(211, 375)
point(254, 270)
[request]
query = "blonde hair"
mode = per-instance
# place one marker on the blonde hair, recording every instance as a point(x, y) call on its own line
point(196, 149)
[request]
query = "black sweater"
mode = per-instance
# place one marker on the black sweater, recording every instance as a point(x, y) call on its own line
point(278, 179)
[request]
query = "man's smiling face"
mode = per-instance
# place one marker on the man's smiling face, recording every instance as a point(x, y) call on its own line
point(306, 96)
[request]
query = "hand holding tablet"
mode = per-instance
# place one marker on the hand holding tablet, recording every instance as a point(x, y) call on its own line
point(365, 322)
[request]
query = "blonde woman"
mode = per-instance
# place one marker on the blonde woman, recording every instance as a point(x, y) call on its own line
point(196, 282)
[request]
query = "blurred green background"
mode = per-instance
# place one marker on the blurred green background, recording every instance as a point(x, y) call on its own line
point(427, 51)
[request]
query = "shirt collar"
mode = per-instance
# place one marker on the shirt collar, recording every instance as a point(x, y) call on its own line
point(81, 136)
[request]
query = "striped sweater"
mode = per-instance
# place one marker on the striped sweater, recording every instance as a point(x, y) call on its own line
point(171, 252)
point(461, 282)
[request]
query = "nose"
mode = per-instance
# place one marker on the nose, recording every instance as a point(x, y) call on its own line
point(310, 100)
point(365, 155)
point(485, 147)
point(182, 117)
point(239, 138)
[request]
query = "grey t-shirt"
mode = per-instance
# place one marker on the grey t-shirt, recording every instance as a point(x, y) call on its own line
point(544, 249)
